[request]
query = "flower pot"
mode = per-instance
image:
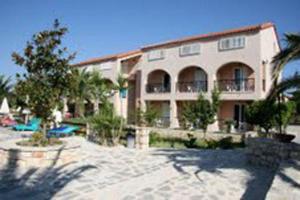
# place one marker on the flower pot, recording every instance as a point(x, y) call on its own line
point(285, 138)
point(130, 141)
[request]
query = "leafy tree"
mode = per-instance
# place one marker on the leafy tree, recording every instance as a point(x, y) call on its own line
point(47, 70)
point(201, 113)
point(287, 111)
point(296, 98)
point(264, 114)
point(5, 87)
point(261, 113)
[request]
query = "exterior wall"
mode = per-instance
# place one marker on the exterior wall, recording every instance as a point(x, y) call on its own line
point(173, 63)
point(269, 47)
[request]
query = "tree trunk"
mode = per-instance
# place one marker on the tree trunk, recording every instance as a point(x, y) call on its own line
point(44, 130)
point(279, 113)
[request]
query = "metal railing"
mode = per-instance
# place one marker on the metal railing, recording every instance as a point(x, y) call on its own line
point(157, 88)
point(236, 85)
point(192, 87)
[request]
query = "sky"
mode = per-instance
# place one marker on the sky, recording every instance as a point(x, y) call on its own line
point(98, 28)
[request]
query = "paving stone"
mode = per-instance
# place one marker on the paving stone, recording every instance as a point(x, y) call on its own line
point(196, 197)
point(117, 167)
point(129, 197)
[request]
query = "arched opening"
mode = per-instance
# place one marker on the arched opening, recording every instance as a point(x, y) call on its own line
point(192, 79)
point(235, 77)
point(159, 81)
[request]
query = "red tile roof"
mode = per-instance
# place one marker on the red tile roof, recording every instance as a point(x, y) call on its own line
point(107, 58)
point(179, 41)
point(212, 35)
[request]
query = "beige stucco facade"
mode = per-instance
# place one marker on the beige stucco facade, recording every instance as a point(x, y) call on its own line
point(174, 78)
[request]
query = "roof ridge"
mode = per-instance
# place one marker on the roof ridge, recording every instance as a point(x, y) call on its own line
point(212, 34)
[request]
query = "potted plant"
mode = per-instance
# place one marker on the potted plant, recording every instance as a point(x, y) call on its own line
point(229, 125)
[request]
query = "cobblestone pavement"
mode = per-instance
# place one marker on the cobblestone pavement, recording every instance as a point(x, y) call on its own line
point(120, 173)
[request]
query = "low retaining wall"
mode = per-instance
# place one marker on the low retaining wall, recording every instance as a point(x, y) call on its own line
point(13, 154)
point(164, 132)
point(269, 152)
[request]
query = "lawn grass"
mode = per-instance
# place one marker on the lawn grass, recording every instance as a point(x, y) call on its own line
point(181, 143)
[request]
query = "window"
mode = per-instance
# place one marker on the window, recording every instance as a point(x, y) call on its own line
point(155, 55)
point(189, 49)
point(232, 43)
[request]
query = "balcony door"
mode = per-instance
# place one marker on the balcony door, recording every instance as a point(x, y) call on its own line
point(200, 78)
point(165, 114)
point(166, 82)
point(239, 78)
point(239, 115)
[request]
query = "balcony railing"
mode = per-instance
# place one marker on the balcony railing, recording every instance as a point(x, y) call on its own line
point(157, 88)
point(236, 85)
point(192, 87)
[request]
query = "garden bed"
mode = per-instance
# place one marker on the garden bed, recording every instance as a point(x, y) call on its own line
point(26, 156)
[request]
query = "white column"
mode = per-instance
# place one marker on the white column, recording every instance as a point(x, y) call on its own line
point(117, 104)
point(65, 107)
point(173, 117)
point(96, 105)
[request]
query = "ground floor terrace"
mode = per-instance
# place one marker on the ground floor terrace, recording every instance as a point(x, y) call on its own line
point(171, 114)
point(121, 173)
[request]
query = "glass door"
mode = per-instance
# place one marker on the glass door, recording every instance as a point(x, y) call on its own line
point(239, 79)
point(239, 115)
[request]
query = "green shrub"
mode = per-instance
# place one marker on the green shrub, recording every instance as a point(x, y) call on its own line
point(107, 125)
point(226, 143)
point(191, 142)
point(154, 138)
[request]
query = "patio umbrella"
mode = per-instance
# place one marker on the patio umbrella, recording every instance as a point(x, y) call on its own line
point(4, 107)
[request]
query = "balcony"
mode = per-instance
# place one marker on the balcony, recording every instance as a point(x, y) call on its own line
point(236, 85)
point(235, 77)
point(192, 87)
point(159, 81)
point(192, 79)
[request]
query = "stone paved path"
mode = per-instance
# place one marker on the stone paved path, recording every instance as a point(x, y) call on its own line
point(120, 173)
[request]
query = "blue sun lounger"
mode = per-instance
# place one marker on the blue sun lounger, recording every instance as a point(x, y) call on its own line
point(64, 130)
point(32, 125)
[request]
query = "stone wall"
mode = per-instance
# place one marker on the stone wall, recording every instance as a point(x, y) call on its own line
point(12, 154)
point(269, 152)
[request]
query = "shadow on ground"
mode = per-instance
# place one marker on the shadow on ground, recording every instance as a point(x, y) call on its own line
point(214, 161)
point(36, 183)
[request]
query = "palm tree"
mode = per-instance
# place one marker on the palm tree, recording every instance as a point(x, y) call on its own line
point(99, 88)
point(121, 86)
point(80, 90)
point(5, 86)
point(290, 53)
